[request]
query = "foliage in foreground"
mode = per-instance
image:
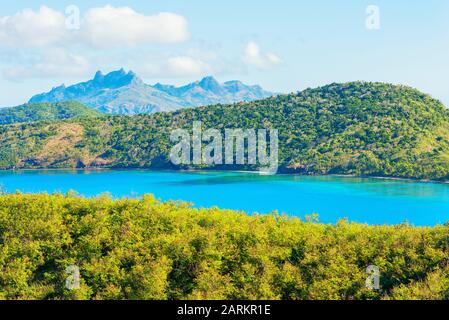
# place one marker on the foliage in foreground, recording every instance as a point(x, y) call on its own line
point(145, 249)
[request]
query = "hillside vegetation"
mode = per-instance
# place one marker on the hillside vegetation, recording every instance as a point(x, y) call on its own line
point(144, 249)
point(45, 111)
point(355, 128)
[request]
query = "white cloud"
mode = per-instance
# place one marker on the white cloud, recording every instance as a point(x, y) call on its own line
point(187, 66)
point(103, 27)
point(117, 27)
point(52, 63)
point(255, 57)
point(40, 43)
point(32, 29)
point(174, 67)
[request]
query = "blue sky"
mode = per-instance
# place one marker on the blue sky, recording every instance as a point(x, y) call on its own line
point(283, 45)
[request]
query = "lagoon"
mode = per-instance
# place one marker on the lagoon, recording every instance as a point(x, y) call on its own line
point(364, 200)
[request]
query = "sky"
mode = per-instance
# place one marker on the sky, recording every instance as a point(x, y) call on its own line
point(283, 45)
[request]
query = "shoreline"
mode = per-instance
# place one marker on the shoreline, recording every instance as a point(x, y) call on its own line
point(304, 218)
point(228, 171)
point(37, 175)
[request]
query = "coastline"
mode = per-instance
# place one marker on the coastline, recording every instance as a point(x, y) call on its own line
point(332, 197)
point(99, 169)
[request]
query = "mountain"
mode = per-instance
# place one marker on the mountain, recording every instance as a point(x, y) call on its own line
point(357, 128)
point(120, 92)
point(45, 111)
point(117, 93)
point(209, 91)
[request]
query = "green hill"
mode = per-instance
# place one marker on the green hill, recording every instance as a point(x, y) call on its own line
point(354, 128)
point(32, 112)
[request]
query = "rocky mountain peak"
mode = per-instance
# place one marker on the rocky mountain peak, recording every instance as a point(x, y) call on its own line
point(121, 92)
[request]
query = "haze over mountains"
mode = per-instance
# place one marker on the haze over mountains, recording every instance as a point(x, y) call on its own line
point(121, 92)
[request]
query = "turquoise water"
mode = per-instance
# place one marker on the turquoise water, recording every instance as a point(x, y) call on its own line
point(374, 201)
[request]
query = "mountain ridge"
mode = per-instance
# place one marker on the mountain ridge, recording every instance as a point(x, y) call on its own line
point(121, 92)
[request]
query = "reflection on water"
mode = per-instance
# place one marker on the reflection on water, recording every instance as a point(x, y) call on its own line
point(368, 200)
point(382, 186)
point(227, 178)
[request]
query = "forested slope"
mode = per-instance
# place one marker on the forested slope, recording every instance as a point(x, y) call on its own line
point(32, 112)
point(354, 128)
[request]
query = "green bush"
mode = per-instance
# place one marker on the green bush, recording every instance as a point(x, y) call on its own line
point(145, 249)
